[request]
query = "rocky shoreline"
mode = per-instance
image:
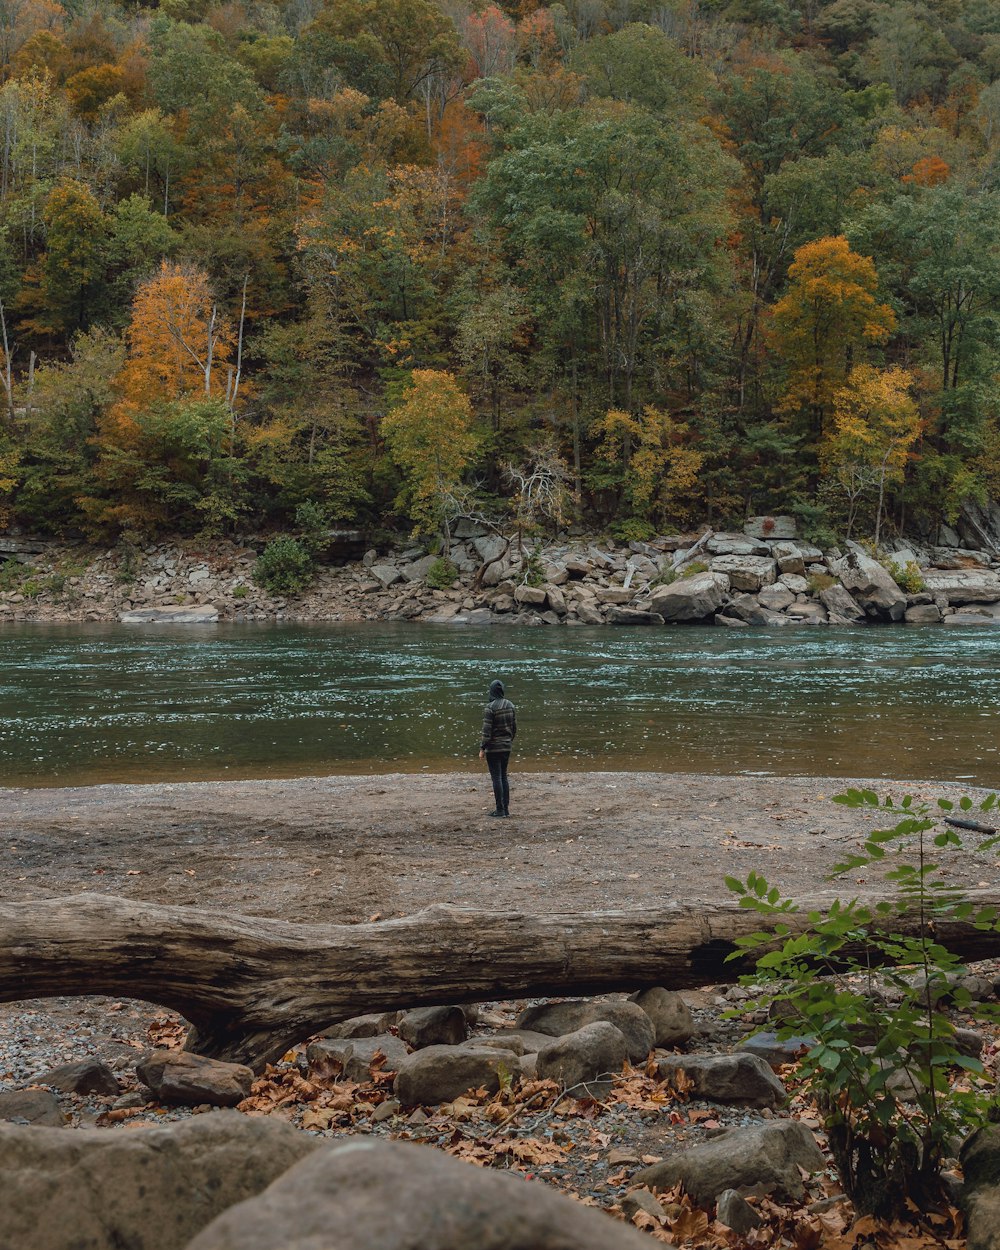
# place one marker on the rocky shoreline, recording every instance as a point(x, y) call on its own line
point(763, 576)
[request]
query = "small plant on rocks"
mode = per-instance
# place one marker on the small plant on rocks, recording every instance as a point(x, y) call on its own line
point(695, 567)
point(441, 574)
point(906, 576)
point(284, 567)
point(11, 574)
point(883, 1077)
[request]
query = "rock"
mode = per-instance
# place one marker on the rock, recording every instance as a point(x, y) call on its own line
point(730, 622)
point(583, 1060)
point(788, 558)
point(796, 584)
point(530, 595)
point(733, 1210)
point(490, 547)
point(31, 1107)
point(673, 1024)
point(747, 609)
point(207, 614)
point(747, 573)
point(776, 597)
point(969, 617)
point(963, 585)
point(614, 594)
point(183, 1077)
point(434, 1026)
point(357, 1054)
point(479, 616)
point(92, 1189)
point(366, 1194)
point(641, 1200)
point(736, 545)
point(770, 528)
point(980, 1197)
point(871, 586)
point(387, 574)
point(88, 1076)
point(520, 1041)
point(417, 571)
point(807, 613)
point(441, 1073)
point(632, 616)
point(555, 597)
point(588, 614)
point(578, 568)
point(776, 1051)
point(364, 1026)
point(558, 1019)
point(741, 1079)
point(769, 1154)
point(691, 598)
point(923, 614)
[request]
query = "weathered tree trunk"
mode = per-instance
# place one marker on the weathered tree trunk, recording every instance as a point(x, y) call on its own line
point(252, 986)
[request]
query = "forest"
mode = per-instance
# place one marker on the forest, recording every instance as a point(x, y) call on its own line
point(634, 264)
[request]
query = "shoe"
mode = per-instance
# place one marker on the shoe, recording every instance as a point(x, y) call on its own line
point(502, 815)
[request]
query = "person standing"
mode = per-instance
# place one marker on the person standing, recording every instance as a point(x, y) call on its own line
point(499, 731)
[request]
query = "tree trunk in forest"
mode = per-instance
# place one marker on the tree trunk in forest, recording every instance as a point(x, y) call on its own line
point(252, 986)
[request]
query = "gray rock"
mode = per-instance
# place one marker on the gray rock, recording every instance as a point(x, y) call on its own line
point(91, 1189)
point(771, 528)
point(366, 1194)
point(418, 569)
point(386, 574)
point(558, 1019)
point(364, 1026)
point(746, 573)
point(923, 614)
point(776, 597)
point(768, 1155)
point(788, 558)
point(442, 1073)
point(776, 1051)
point(88, 1076)
point(691, 598)
point(31, 1107)
point(479, 616)
point(838, 599)
point(980, 1196)
point(733, 1210)
point(632, 616)
point(530, 595)
point(434, 1026)
point(588, 614)
point(206, 614)
point(356, 1055)
point(490, 546)
point(673, 1024)
point(182, 1077)
point(584, 1060)
point(795, 583)
point(808, 613)
point(746, 608)
point(555, 598)
point(961, 586)
point(871, 586)
point(641, 1200)
point(520, 1041)
point(740, 1079)
point(736, 545)
point(578, 568)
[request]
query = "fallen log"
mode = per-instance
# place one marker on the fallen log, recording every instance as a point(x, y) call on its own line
point(251, 986)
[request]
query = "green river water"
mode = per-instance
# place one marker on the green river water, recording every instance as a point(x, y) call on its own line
point(107, 703)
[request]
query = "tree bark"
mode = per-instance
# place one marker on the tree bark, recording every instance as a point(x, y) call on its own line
point(251, 986)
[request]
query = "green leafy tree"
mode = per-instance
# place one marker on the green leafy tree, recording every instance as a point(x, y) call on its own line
point(74, 265)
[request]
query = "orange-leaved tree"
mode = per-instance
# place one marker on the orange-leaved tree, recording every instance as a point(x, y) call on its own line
point(431, 439)
point(821, 328)
point(876, 423)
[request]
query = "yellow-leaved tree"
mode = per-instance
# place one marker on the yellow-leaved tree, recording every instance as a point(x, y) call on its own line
point(431, 439)
point(820, 329)
point(876, 423)
point(653, 456)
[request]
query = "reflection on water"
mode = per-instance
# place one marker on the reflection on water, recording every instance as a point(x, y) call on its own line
point(86, 704)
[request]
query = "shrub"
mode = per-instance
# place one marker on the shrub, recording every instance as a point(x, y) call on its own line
point(441, 574)
point(906, 576)
point(240, 592)
point(633, 530)
point(882, 1074)
point(284, 567)
point(820, 581)
point(534, 570)
point(695, 567)
point(11, 574)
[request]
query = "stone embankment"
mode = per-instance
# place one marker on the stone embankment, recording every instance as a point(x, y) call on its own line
point(764, 575)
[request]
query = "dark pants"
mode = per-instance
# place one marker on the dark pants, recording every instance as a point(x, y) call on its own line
point(497, 762)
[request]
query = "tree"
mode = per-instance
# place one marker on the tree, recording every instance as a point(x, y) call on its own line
point(653, 458)
point(828, 318)
point(430, 437)
point(875, 426)
point(73, 268)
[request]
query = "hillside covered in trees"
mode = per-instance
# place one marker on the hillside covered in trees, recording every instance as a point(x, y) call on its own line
point(640, 262)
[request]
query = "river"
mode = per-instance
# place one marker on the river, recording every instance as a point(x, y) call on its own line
point(105, 703)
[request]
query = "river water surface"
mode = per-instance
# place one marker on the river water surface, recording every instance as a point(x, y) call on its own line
point(106, 703)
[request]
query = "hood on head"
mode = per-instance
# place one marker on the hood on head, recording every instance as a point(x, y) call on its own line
point(496, 689)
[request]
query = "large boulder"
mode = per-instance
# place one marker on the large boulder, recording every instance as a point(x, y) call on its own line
point(418, 569)
point(558, 1019)
point(443, 1073)
point(963, 585)
point(839, 600)
point(747, 573)
point(370, 1025)
point(583, 1058)
point(739, 1080)
point(180, 1076)
point(736, 545)
point(673, 1024)
point(871, 586)
point(770, 528)
point(152, 1189)
point(366, 1194)
point(980, 1158)
point(746, 608)
point(773, 1154)
point(86, 1076)
point(31, 1106)
point(434, 1026)
point(691, 598)
point(633, 616)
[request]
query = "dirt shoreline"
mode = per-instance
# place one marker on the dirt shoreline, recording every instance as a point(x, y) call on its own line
point(343, 849)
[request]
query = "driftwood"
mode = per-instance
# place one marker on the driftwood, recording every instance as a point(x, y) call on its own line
point(251, 986)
